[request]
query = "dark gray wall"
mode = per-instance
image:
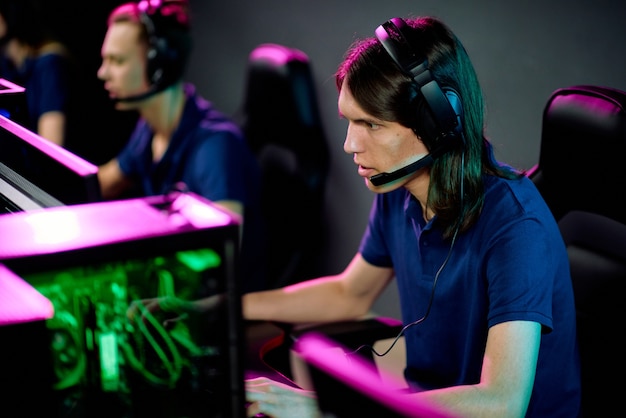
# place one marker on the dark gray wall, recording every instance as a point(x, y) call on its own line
point(522, 51)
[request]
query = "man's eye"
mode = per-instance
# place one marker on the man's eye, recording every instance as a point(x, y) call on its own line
point(373, 125)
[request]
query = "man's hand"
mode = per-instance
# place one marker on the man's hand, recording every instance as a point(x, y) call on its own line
point(278, 400)
point(172, 308)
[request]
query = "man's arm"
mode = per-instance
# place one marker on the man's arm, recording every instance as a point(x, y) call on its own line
point(348, 295)
point(507, 376)
point(112, 181)
point(51, 125)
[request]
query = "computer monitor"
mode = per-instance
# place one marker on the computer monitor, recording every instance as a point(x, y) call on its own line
point(94, 262)
point(12, 101)
point(348, 385)
point(35, 172)
point(18, 194)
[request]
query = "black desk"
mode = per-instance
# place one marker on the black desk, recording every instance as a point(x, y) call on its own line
point(260, 338)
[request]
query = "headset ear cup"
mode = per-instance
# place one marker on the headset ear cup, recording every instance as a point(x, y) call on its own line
point(167, 28)
point(152, 67)
point(457, 107)
point(434, 136)
point(159, 62)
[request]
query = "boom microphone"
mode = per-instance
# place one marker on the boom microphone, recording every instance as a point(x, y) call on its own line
point(444, 142)
point(384, 178)
point(138, 97)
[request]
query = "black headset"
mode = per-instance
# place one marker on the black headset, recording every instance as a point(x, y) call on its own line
point(442, 115)
point(165, 64)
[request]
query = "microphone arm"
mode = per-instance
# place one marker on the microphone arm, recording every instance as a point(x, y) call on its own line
point(384, 178)
point(139, 97)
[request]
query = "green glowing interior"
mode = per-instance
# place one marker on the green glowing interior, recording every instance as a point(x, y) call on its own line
point(91, 329)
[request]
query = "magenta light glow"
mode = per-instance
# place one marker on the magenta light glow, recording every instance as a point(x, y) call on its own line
point(56, 151)
point(64, 228)
point(321, 352)
point(277, 54)
point(19, 301)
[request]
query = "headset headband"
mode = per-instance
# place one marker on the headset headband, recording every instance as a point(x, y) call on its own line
point(391, 36)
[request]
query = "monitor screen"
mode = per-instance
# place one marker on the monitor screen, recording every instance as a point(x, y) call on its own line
point(43, 169)
point(95, 262)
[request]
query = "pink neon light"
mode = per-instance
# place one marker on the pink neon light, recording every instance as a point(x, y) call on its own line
point(19, 301)
point(322, 353)
point(277, 54)
point(65, 228)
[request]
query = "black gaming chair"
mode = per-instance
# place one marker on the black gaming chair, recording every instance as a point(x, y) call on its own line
point(281, 120)
point(583, 144)
point(581, 176)
point(597, 251)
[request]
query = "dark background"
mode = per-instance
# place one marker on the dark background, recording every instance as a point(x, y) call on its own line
point(522, 51)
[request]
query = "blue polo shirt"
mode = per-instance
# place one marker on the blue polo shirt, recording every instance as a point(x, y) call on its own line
point(207, 153)
point(511, 265)
point(48, 84)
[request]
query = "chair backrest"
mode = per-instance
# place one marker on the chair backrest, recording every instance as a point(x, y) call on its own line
point(581, 178)
point(281, 120)
point(583, 145)
point(596, 246)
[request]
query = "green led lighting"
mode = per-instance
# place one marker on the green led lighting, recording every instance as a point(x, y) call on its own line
point(91, 331)
point(199, 260)
point(109, 362)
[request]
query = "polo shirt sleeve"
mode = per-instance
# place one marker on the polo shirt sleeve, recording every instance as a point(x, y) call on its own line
point(218, 167)
point(54, 84)
point(521, 268)
point(373, 247)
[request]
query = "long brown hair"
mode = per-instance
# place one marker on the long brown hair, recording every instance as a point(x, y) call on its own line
point(456, 191)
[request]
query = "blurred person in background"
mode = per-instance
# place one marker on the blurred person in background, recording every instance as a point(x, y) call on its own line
point(34, 57)
point(180, 138)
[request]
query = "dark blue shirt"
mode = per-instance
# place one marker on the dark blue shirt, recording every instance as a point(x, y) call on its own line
point(511, 265)
point(207, 153)
point(48, 84)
